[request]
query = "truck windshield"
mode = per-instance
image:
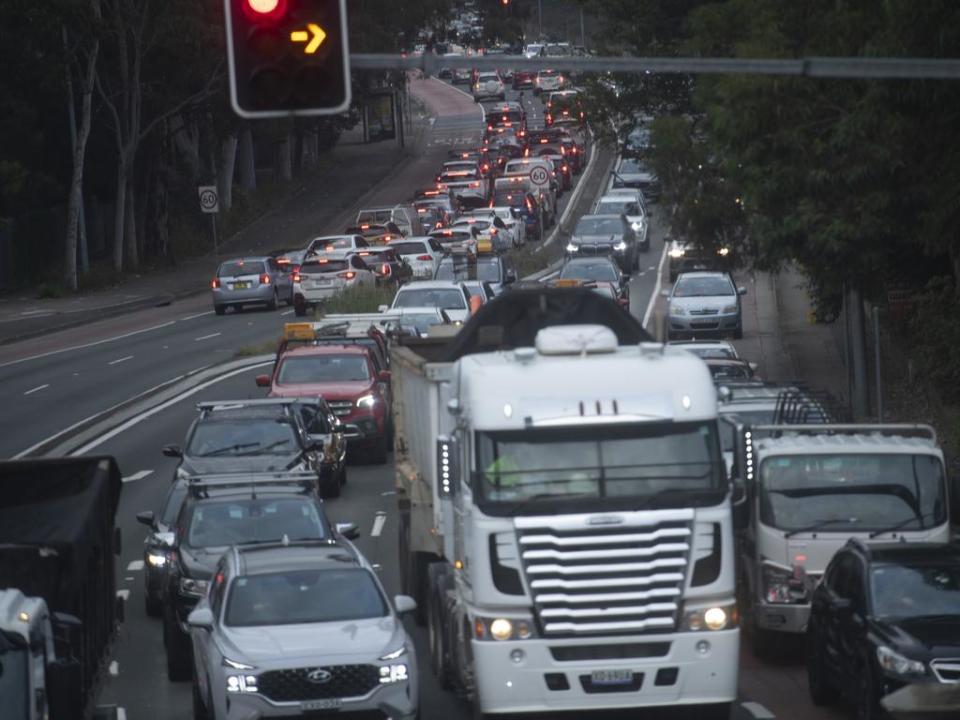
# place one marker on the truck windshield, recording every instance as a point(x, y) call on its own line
point(852, 492)
point(14, 681)
point(634, 465)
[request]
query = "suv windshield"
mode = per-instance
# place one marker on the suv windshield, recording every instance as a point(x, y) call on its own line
point(906, 591)
point(296, 369)
point(237, 268)
point(859, 492)
point(304, 596)
point(636, 462)
point(703, 287)
point(239, 437)
point(216, 523)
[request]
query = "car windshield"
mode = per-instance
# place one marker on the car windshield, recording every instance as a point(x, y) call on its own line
point(909, 591)
point(633, 167)
point(704, 287)
point(590, 271)
point(299, 369)
point(409, 248)
point(483, 269)
point(730, 371)
point(619, 207)
point(295, 597)
point(487, 77)
point(315, 267)
point(599, 226)
point(720, 352)
point(240, 437)
point(445, 298)
point(853, 492)
point(232, 522)
point(634, 462)
point(374, 216)
point(237, 268)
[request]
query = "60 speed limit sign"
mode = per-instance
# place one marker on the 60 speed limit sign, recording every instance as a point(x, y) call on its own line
point(539, 175)
point(209, 201)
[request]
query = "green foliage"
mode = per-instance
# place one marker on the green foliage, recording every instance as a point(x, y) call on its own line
point(358, 299)
point(933, 333)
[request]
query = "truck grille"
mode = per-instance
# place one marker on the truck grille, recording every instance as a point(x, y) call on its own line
point(589, 577)
point(295, 685)
point(341, 408)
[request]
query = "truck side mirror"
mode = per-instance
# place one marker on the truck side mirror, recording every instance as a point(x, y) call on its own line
point(172, 451)
point(448, 465)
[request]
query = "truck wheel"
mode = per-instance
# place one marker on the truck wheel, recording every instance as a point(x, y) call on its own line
point(200, 708)
point(179, 660)
point(440, 662)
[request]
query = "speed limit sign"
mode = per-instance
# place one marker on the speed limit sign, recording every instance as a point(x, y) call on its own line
point(209, 201)
point(539, 175)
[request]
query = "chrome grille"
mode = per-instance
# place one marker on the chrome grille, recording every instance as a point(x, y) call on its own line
point(341, 408)
point(705, 311)
point(340, 681)
point(947, 671)
point(594, 579)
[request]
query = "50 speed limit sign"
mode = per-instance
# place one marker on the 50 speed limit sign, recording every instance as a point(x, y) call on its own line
point(209, 201)
point(539, 175)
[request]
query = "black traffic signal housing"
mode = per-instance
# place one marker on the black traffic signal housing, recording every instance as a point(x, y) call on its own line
point(288, 57)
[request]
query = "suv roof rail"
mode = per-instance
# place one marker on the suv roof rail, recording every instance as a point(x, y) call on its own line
point(276, 544)
point(207, 405)
point(201, 484)
point(896, 429)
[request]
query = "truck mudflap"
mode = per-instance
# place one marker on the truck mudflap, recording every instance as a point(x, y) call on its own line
point(924, 701)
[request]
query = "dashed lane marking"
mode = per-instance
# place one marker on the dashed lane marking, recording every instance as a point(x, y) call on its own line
point(758, 711)
point(656, 288)
point(140, 475)
point(192, 317)
point(38, 388)
point(123, 595)
point(206, 337)
point(121, 713)
point(135, 566)
point(114, 668)
point(378, 523)
point(120, 360)
point(286, 312)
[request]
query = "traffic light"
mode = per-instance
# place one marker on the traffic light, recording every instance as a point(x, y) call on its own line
point(288, 57)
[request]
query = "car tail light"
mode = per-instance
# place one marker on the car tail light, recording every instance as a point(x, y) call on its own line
point(566, 169)
point(215, 283)
point(264, 279)
point(296, 276)
point(385, 269)
point(424, 257)
point(348, 275)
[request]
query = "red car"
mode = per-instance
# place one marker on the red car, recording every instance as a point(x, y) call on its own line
point(524, 79)
point(347, 377)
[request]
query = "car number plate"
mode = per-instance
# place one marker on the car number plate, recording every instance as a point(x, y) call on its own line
point(325, 704)
point(611, 677)
point(241, 285)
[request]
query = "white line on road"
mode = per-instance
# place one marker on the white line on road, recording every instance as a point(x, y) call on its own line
point(121, 713)
point(136, 420)
point(378, 523)
point(388, 493)
point(140, 475)
point(38, 388)
point(192, 317)
point(120, 360)
point(656, 287)
point(87, 345)
point(114, 668)
point(135, 566)
point(286, 312)
point(206, 337)
point(123, 595)
point(758, 711)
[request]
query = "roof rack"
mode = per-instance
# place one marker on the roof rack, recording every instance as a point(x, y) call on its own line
point(252, 402)
point(276, 544)
point(202, 484)
point(902, 429)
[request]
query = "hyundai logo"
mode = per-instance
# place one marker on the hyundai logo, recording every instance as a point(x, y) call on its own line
point(605, 520)
point(319, 676)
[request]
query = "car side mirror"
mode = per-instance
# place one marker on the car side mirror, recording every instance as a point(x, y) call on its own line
point(145, 518)
point(167, 539)
point(172, 451)
point(665, 293)
point(384, 376)
point(383, 308)
point(349, 530)
point(201, 618)
point(404, 604)
point(741, 291)
point(842, 606)
point(263, 381)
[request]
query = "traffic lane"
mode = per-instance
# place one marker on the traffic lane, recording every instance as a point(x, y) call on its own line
point(644, 285)
point(140, 685)
point(42, 396)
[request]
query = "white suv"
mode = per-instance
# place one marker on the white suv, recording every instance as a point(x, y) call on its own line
point(297, 628)
point(488, 85)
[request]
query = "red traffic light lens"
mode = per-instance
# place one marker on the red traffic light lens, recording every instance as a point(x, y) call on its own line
point(264, 10)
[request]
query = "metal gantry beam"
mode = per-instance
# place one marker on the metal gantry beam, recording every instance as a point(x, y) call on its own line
point(821, 67)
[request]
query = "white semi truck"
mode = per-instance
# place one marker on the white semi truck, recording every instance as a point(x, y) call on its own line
point(565, 517)
point(807, 490)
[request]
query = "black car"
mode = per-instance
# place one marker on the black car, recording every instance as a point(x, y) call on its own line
point(266, 435)
point(884, 616)
point(218, 512)
point(155, 548)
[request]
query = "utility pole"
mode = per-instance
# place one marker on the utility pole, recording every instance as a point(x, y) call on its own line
point(858, 355)
point(540, 19)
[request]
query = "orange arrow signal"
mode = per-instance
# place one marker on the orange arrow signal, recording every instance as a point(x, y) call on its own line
point(314, 34)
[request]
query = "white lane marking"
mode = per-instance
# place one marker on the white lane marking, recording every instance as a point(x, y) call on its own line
point(123, 595)
point(758, 711)
point(120, 360)
point(135, 566)
point(656, 287)
point(192, 317)
point(651, 268)
point(206, 337)
point(87, 345)
point(388, 493)
point(286, 312)
point(114, 668)
point(121, 713)
point(38, 388)
point(378, 523)
point(137, 419)
point(138, 476)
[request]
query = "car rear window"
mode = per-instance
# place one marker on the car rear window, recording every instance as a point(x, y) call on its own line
point(409, 248)
point(236, 268)
point(448, 299)
point(508, 199)
point(312, 267)
point(300, 369)
point(590, 271)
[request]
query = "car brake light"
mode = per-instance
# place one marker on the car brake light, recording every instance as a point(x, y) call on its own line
point(424, 257)
point(348, 275)
point(364, 254)
point(385, 269)
point(264, 279)
point(215, 283)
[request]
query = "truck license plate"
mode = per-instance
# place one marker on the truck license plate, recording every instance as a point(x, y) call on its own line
point(611, 677)
point(326, 704)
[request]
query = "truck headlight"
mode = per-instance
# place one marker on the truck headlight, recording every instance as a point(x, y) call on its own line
point(676, 252)
point(501, 629)
point(776, 584)
point(897, 664)
point(712, 617)
point(571, 248)
point(393, 673)
point(367, 401)
point(195, 588)
point(242, 684)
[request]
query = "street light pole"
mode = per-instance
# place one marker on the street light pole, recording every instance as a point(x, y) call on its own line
point(540, 19)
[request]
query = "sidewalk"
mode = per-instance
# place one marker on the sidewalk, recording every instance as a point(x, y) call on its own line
point(324, 204)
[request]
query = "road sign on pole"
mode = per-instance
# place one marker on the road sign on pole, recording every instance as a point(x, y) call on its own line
point(539, 175)
point(209, 200)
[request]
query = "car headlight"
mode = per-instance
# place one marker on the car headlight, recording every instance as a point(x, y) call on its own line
point(156, 559)
point(677, 310)
point(723, 252)
point(393, 673)
point(242, 684)
point(895, 663)
point(190, 586)
point(620, 246)
point(367, 401)
point(729, 309)
point(676, 252)
point(636, 226)
point(501, 629)
point(399, 652)
point(713, 618)
point(571, 248)
point(182, 474)
point(234, 665)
